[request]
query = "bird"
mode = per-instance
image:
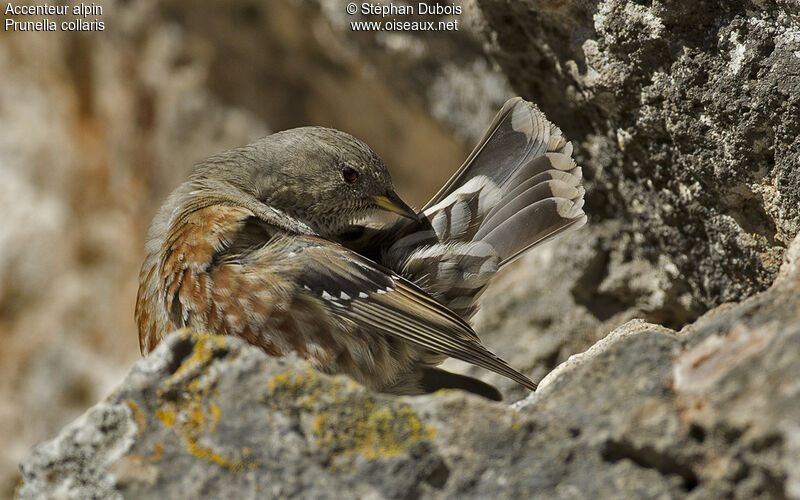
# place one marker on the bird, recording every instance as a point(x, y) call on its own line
point(276, 243)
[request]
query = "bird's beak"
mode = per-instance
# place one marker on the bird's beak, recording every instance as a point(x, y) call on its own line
point(393, 203)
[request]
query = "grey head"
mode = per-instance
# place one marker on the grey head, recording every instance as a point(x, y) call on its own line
point(313, 177)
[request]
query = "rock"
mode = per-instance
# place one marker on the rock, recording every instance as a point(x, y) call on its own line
point(566, 295)
point(688, 134)
point(690, 131)
point(711, 411)
point(446, 72)
point(99, 127)
point(214, 417)
point(94, 136)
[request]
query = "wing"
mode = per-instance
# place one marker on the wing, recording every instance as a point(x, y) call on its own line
point(380, 300)
point(220, 273)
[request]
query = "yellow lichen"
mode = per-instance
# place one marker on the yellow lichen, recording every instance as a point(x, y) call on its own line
point(346, 419)
point(515, 425)
point(207, 453)
point(167, 416)
point(298, 383)
point(195, 420)
point(301, 390)
point(373, 432)
point(204, 348)
point(138, 416)
point(194, 414)
point(216, 413)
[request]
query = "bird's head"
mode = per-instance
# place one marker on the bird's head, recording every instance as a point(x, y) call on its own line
point(322, 177)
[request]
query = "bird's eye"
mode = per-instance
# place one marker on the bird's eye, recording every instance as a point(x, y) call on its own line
point(349, 174)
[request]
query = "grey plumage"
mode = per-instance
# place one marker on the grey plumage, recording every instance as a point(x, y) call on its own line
point(518, 188)
point(260, 243)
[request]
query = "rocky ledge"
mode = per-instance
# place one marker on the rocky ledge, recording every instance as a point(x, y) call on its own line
point(711, 411)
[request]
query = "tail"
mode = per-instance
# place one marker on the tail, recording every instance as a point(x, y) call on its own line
point(428, 379)
point(434, 379)
point(518, 188)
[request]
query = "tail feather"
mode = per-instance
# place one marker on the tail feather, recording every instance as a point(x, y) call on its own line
point(518, 188)
point(427, 379)
point(557, 182)
point(434, 379)
point(524, 196)
point(518, 134)
point(526, 227)
point(532, 226)
point(537, 166)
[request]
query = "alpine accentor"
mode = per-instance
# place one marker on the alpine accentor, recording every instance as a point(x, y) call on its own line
point(266, 242)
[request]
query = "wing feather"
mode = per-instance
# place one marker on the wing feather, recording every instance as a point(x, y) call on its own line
point(377, 298)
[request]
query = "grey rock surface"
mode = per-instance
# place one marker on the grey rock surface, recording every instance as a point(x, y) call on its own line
point(711, 411)
point(688, 134)
point(97, 128)
point(446, 72)
point(689, 130)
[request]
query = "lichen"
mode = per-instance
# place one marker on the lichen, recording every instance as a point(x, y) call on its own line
point(166, 415)
point(347, 420)
point(371, 430)
point(194, 413)
point(293, 391)
point(515, 424)
point(205, 347)
point(139, 417)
